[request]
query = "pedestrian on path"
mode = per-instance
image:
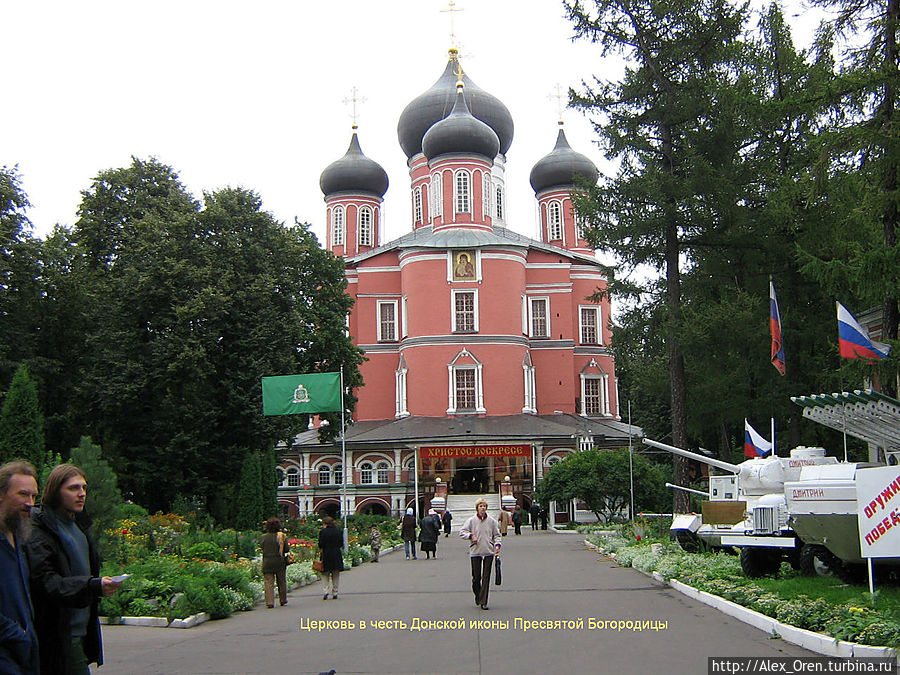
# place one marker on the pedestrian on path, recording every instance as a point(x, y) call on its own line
point(331, 544)
point(273, 547)
point(517, 519)
point(447, 518)
point(504, 520)
point(408, 533)
point(18, 639)
point(483, 533)
point(534, 512)
point(375, 542)
point(428, 535)
point(66, 585)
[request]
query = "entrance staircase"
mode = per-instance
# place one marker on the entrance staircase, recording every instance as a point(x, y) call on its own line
point(462, 507)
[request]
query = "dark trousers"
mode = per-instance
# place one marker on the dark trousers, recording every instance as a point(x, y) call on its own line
point(518, 527)
point(481, 577)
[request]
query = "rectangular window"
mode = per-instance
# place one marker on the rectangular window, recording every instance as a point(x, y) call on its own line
point(417, 205)
point(365, 227)
point(462, 192)
point(387, 321)
point(464, 381)
point(593, 396)
point(540, 317)
point(499, 209)
point(590, 325)
point(464, 312)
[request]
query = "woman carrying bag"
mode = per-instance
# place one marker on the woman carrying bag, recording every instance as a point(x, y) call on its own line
point(274, 549)
point(331, 544)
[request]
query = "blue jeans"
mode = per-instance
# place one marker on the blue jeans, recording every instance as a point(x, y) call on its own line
point(409, 546)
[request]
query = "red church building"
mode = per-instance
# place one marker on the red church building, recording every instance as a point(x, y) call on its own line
point(488, 352)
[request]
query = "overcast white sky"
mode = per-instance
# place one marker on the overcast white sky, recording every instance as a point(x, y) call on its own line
point(251, 94)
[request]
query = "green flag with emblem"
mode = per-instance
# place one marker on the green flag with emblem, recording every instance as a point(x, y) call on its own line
point(301, 394)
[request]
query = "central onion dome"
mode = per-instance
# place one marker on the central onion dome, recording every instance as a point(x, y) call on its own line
point(432, 106)
point(354, 172)
point(561, 166)
point(460, 132)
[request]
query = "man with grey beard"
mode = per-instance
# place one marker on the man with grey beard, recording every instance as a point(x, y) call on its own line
point(18, 639)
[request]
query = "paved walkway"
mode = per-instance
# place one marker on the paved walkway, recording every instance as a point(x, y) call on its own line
point(546, 576)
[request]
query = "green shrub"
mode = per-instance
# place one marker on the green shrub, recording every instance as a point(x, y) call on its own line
point(141, 607)
point(205, 550)
point(205, 596)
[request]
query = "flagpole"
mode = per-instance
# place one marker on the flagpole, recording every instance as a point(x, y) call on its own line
point(774, 449)
point(344, 464)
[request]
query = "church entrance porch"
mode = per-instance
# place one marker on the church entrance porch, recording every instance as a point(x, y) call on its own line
point(472, 476)
point(475, 469)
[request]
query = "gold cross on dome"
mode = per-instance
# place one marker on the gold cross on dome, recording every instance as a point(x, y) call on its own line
point(452, 9)
point(558, 95)
point(354, 100)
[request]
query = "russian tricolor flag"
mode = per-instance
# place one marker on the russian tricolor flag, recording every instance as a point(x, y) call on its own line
point(854, 340)
point(775, 329)
point(754, 444)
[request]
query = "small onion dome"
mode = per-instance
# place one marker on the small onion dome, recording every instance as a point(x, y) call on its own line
point(432, 106)
point(354, 172)
point(561, 166)
point(460, 132)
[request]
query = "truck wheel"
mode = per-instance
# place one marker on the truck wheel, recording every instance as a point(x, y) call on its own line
point(760, 562)
point(812, 560)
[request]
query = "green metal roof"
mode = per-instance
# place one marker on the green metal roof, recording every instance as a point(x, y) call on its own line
point(864, 414)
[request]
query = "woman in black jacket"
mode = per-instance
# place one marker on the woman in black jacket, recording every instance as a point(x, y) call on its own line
point(331, 544)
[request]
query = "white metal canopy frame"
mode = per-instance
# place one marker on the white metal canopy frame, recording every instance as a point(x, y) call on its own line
point(864, 414)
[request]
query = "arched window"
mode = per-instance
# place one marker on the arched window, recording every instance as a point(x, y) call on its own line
point(553, 460)
point(486, 195)
point(365, 226)
point(554, 221)
point(417, 205)
point(498, 212)
point(365, 473)
point(463, 196)
point(436, 199)
point(337, 226)
point(293, 477)
point(324, 474)
point(384, 472)
point(337, 472)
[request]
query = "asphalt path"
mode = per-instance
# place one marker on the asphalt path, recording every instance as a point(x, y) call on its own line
point(547, 577)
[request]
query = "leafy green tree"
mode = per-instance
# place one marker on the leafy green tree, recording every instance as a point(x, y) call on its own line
point(269, 480)
point(189, 309)
point(660, 121)
point(21, 422)
point(104, 499)
point(602, 480)
point(250, 507)
point(859, 257)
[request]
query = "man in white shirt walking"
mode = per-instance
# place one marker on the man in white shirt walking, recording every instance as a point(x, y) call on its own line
point(483, 533)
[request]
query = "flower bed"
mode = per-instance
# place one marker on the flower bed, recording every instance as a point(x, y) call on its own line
point(844, 613)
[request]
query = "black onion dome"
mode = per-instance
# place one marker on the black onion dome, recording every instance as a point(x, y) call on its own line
point(460, 132)
point(561, 166)
point(432, 106)
point(354, 172)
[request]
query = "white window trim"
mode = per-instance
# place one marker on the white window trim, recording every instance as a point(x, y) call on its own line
point(524, 314)
point(457, 193)
point(400, 403)
point(292, 472)
point(404, 332)
point(597, 324)
point(337, 226)
point(499, 203)
point(381, 337)
point(436, 197)
point(604, 394)
point(366, 469)
point(385, 466)
point(486, 194)
point(479, 390)
point(530, 405)
point(453, 294)
point(531, 301)
point(417, 205)
point(551, 207)
point(363, 228)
